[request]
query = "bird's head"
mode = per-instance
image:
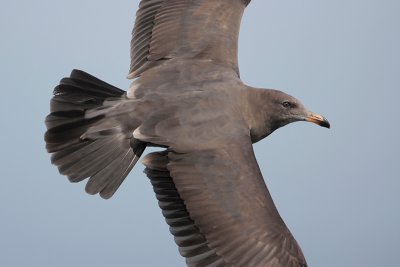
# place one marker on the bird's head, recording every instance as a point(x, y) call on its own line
point(279, 109)
point(287, 109)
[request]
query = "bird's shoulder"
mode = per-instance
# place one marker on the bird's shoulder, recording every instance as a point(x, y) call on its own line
point(179, 76)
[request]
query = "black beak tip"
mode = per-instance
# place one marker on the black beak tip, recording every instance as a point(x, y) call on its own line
point(325, 123)
point(319, 120)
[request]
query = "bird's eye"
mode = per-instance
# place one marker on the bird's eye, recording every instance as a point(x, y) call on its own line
point(287, 104)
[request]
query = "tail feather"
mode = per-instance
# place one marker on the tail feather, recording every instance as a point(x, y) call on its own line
point(97, 147)
point(120, 167)
point(137, 149)
point(100, 180)
point(82, 91)
point(87, 164)
point(59, 118)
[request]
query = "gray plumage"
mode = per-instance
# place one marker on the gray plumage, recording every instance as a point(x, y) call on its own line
point(188, 98)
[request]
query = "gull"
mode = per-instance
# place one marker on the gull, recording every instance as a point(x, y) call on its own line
point(187, 98)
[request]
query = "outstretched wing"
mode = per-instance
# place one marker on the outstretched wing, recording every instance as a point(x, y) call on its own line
point(192, 243)
point(232, 218)
point(166, 29)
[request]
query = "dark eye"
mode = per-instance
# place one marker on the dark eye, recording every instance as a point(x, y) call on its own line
point(287, 104)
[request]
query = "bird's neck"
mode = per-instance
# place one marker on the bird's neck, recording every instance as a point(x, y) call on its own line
point(255, 106)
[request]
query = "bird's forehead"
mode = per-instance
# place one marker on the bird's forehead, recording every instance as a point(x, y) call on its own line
point(279, 95)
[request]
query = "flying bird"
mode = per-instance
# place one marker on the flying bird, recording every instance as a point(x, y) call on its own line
point(187, 98)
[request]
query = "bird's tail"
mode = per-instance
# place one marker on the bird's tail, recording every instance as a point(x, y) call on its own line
point(89, 145)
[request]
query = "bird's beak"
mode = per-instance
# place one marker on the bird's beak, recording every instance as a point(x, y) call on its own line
point(318, 119)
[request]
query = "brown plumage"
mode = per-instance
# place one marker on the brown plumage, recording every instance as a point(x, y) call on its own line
point(188, 98)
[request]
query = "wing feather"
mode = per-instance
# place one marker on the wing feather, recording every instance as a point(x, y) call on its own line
point(226, 197)
point(166, 29)
point(192, 243)
point(219, 209)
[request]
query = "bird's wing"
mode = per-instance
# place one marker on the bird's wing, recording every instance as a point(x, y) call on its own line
point(166, 29)
point(232, 218)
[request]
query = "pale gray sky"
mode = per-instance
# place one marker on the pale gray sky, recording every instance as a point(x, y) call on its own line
point(338, 190)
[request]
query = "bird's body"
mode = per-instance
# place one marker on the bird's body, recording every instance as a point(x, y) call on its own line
point(189, 99)
point(205, 100)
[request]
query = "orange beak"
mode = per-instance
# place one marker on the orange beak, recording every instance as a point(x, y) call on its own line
point(318, 119)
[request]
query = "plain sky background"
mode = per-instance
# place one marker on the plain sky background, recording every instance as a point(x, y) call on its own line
point(338, 190)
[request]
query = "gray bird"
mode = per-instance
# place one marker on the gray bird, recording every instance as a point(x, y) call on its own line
point(186, 97)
